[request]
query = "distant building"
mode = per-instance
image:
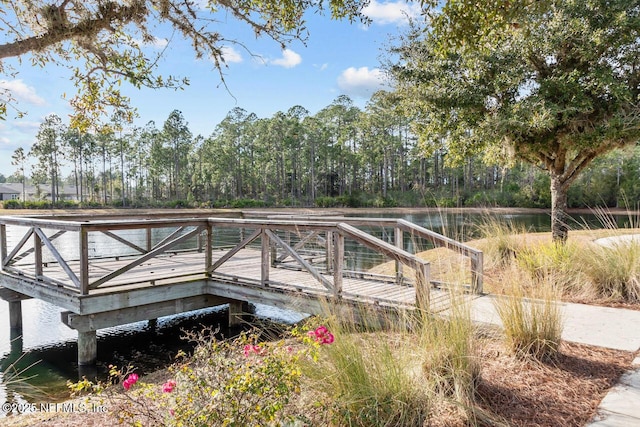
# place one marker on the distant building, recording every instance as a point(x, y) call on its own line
point(8, 192)
point(13, 191)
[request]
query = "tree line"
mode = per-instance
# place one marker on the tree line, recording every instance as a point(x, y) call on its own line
point(340, 156)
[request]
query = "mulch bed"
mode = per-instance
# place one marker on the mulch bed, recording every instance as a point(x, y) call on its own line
point(563, 392)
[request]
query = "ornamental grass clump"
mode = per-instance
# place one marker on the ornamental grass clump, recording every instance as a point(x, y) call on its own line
point(503, 241)
point(371, 376)
point(613, 271)
point(532, 320)
point(560, 264)
point(449, 357)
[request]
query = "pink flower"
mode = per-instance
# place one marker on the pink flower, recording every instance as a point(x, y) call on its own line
point(249, 349)
point(168, 386)
point(172, 412)
point(328, 338)
point(129, 381)
point(322, 335)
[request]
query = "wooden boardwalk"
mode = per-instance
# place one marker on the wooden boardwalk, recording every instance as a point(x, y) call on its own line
point(107, 272)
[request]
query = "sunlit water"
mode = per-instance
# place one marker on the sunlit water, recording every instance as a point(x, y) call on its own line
point(45, 356)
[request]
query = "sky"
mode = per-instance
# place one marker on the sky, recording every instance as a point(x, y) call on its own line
point(339, 58)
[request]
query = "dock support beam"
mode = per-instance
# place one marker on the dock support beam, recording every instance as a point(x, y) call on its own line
point(237, 310)
point(87, 348)
point(15, 317)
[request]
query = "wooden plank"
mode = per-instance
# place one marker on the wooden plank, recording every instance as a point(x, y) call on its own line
point(153, 253)
point(123, 298)
point(6, 259)
point(83, 243)
point(138, 313)
point(3, 245)
point(57, 256)
point(338, 262)
point(30, 251)
point(265, 265)
point(299, 245)
point(381, 246)
point(175, 233)
point(56, 295)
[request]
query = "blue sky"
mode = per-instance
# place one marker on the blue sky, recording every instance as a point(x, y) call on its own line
point(339, 58)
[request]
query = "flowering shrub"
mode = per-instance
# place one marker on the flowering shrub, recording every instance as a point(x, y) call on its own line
point(241, 382)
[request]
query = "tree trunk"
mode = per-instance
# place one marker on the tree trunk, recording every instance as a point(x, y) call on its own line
point(559, 226)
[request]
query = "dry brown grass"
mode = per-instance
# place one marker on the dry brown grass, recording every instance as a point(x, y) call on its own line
point(517, 392)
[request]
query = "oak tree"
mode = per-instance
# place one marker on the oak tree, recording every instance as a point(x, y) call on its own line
point(556, 86)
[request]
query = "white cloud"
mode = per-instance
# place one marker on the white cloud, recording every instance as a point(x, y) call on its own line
point(321, 67)
point(231, 55)
point(361, 81)
point(391, 12)
point(289, 59)
point(25, 124)
point(20, 91)
point(156, 43)
point(4, 140)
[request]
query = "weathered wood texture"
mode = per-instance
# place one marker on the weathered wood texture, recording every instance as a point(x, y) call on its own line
point(279, 261)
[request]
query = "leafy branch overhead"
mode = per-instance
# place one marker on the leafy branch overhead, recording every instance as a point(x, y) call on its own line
point(103, 42)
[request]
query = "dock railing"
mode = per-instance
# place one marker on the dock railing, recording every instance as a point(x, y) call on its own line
point(401, 231)
point(76, 261)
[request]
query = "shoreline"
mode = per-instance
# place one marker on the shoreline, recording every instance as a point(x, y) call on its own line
point(308, 210)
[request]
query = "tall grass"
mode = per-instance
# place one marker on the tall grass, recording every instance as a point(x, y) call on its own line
point(503, 241)
point(613, 272)
point(532, 320)
point(398, 375)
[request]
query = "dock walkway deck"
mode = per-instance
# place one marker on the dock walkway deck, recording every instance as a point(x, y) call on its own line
point(106, 272)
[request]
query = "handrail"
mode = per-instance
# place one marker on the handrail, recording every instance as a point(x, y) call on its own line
point(439, 240)
point(334, 232)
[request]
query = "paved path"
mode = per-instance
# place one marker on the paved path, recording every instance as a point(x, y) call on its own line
point(614, 328)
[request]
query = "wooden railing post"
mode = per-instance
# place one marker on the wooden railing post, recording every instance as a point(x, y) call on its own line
point(208, 250)
point(265, 264)
point(338, 261)
point(149, 243)
point(37, 255)
point(422, 287)
point(3, 245)
point(477, 273)
point(399, 241)
point(84, 261)
point(329, 250)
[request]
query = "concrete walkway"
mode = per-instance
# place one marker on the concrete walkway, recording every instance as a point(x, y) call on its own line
point(614, 328)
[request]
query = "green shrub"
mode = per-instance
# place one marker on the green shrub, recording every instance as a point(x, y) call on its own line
point(12, 204)
point(232, 383)
point(532, 320)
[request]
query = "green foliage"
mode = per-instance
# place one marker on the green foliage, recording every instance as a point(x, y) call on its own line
point(233, 383)
point(12, 204)
point(106, 43)
point(528, 89)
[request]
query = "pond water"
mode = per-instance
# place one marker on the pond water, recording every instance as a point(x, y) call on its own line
point(44, 357)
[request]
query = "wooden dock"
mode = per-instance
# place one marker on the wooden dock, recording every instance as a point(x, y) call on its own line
point(107, 272)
